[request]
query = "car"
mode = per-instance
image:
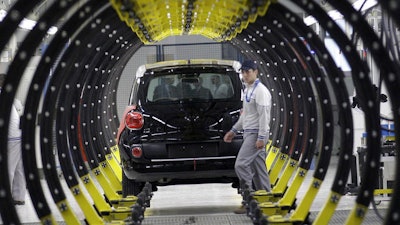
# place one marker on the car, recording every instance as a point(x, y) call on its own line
point(173, 127)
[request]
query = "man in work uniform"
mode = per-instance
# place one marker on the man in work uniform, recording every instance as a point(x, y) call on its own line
point(250, 164)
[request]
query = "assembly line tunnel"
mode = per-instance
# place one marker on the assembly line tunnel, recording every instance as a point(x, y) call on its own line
point(71, 100)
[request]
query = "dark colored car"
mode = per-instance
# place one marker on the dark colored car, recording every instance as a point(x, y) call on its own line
point(172, 132)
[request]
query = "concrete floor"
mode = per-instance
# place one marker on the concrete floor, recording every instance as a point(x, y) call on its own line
point(211, 204)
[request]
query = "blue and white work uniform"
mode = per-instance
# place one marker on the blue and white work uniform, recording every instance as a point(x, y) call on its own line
point(250, 164)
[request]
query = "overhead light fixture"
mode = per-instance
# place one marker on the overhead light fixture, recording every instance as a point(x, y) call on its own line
point(27, 23)
point(334, 14)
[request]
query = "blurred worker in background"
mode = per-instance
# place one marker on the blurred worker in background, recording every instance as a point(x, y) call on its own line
point(220, 89)
point(250, 164)
point(166, 89)
point(200, 91)
point(15, 164)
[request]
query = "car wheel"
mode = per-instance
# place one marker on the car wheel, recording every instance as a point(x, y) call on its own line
point(130, 187)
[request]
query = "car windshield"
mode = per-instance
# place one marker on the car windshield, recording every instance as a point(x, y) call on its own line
point(203, 86)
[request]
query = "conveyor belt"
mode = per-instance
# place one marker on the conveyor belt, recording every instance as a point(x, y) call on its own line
point(338, 218)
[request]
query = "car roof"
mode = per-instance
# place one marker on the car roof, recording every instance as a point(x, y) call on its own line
point(143, 68)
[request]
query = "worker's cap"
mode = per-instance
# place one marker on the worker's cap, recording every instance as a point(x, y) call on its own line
point(248, 64)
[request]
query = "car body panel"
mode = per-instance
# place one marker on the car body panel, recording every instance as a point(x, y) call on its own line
point(184, 124)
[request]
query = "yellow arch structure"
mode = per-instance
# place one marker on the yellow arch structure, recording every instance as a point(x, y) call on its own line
point(218, 20)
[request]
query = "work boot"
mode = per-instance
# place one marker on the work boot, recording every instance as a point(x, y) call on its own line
point(241, 210)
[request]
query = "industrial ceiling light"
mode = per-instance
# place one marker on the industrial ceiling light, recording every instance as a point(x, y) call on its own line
point(26, 23)
point(334, 14)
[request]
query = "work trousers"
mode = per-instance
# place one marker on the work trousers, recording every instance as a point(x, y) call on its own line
point(250, 164)
point(16, 171)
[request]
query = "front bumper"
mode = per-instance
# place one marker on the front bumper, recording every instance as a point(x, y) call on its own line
point(212, 159)
point(181, 175)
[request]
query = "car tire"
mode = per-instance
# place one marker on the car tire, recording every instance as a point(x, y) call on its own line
point(130, 187)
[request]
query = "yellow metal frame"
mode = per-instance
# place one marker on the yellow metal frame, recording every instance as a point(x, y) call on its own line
point(121, 211)
point(115, 163)
point(383, 191)
point(67, 213)
point(282, 206)
point(279, 219)
point(271, 157)
point(279, 189)
point(216, 20)
point(301, 211)
point(328, 209)
point(263, 196)
point(281, 185)
point(111, 176)
point(115, 153)
point(97, 197)
point(111, 193)
point(90, 213)
point(48, 219)
point(357, 215)
point(276, 169)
